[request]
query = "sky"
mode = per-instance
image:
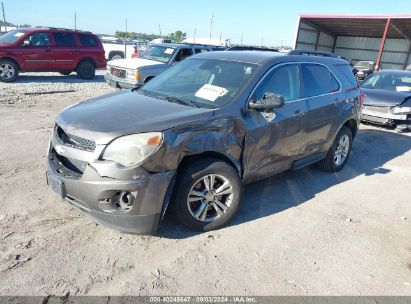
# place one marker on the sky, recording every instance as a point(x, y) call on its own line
point(271, 22)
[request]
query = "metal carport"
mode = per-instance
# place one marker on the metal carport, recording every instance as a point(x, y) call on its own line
point(384, 39)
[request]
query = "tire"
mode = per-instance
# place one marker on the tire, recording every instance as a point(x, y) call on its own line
point(116, 56)
point(65, 73)
point(86, 70)
point(340, 147)
point(192, 179)
point(9, 71)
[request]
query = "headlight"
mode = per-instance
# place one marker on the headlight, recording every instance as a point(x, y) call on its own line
point(132, 150)
point(133, 74)
point(401, 110)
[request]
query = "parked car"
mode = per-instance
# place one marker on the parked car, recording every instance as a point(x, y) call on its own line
point(364, 69)
point(388, 99)
point(50, 50)
point(118, 49)
point(129, 73)
point(196, 133)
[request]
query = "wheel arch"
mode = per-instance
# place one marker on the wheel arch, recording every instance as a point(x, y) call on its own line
point(86, 59)
point(111, 54)
point(11, 59)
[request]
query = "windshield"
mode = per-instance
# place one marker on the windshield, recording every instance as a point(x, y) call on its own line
point(159, 53)
point(390, 82)
point(207, 83)
point(12, 36)
point(365, 64)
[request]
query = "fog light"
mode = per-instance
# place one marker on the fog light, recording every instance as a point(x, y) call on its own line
point(126, 200)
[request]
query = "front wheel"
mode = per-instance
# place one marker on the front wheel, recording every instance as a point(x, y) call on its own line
point(9, 71)
point(339, 151)
point(207, 195)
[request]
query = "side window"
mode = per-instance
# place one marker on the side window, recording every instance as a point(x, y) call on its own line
point(183, 54)
point(335, 86)
point(346, 76)
point(38, 39)
point(317, 80)
point(200, 50)
point(283, 80)
point(88, 41)
point(64, 39)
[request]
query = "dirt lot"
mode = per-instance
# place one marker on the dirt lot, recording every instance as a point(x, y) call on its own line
point(300, 233)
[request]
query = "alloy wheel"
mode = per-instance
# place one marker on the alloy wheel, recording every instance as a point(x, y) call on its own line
point(342, 150)
point(7, 71)
point(210, 198)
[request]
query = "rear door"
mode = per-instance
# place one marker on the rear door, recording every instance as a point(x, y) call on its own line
point(323, 94)
point(274, 137)
point(36, 53)
point(65, 51)
point(182, 54)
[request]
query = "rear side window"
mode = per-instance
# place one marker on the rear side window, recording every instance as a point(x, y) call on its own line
point(318, 80)
point(87, 40)
point(64, 39)
point(201, 50)
point(347, 76)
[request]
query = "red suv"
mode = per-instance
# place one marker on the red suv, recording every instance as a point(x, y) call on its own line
point(50, 50)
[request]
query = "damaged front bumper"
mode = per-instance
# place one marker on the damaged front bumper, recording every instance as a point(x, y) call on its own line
point(383, 116)
point(127, 200)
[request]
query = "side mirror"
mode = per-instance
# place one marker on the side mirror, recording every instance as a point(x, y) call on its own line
point(269, 101)
point(26, 43)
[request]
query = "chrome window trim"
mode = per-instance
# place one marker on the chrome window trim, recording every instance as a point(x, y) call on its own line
point(295, 63)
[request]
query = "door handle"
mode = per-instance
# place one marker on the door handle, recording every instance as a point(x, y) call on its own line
point(298, 113)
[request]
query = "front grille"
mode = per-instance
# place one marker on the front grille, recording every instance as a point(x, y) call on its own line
point(68, 167)
point(378, 109)
point(75, 141)
point(119, 73)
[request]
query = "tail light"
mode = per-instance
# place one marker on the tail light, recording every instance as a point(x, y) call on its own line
point(362, 98)
point(135, 55)
point(135, 49)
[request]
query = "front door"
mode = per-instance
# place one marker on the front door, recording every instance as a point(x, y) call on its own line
point(274, 138)
point(36, 53)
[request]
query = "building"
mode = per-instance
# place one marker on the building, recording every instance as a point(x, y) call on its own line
point(383, 39)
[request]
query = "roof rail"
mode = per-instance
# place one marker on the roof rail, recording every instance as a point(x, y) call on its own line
point(62, 29)
point(312, 53)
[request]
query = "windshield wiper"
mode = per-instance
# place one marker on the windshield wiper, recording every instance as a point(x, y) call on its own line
point(180, 100)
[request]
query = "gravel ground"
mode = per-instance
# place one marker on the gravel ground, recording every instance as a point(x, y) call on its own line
point(299, 233)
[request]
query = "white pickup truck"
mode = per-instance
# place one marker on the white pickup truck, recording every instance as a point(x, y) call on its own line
point(118, 49)
point(131, 72)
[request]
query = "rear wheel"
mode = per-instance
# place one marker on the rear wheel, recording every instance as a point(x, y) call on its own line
point(207, 195)
point(9, 71)
point(86, 70)
point(339, 151)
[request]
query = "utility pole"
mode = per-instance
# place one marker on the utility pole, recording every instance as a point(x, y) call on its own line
point(195, 33)
point(125, 44)
point(211, 23)
point(75, 21)
point(262, 40)
point(126, 27)
point(4, 17)
point(159, 29)
point(221, 35)
point(241, 42)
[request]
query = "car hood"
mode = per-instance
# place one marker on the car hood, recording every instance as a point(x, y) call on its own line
point(376, 97)
point(133, 63)
point(107, 117)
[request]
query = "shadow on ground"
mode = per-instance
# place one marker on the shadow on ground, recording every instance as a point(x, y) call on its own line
point(55, 78)
point(371, 150)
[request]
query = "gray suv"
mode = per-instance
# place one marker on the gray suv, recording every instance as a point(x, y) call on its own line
point(193, 136)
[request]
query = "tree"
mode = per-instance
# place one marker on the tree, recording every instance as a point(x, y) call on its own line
point(177, 36)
